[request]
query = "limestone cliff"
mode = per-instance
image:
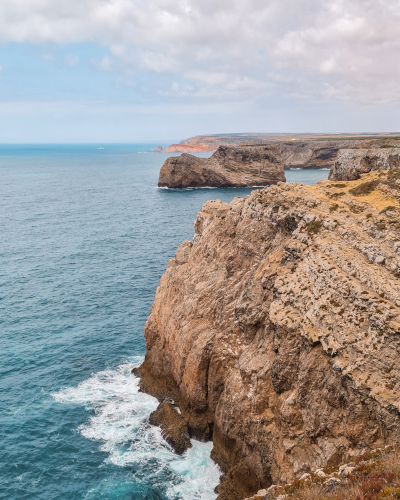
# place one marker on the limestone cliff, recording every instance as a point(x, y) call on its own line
point(277, 331)
point(228, 167)
point(313, 154)
point(352, 163)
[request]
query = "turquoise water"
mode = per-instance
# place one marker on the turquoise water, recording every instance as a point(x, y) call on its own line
point(85, 236)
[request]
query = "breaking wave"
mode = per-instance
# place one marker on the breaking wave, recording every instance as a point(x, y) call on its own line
point(120, 424)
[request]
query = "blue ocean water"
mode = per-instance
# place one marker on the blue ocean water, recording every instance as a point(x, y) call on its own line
point(85, 235)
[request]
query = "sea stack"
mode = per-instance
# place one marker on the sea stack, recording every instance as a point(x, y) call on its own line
point(253, 165)
point(276, 332)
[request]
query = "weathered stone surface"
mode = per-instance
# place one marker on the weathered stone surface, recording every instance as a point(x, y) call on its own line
point(352, 163)
point(227, 167)
point(313, 154)
point(278, 331)
point(173, 426)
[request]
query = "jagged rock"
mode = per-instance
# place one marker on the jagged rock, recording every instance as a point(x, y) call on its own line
point(352, 163)
point(173, 426)
point(227, 167)
point(279, 338)
point(313, 154)
point(331, 483)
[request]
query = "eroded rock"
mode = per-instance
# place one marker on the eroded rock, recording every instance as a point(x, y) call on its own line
point(173, 426)
point(251, 165)
point(278, 335)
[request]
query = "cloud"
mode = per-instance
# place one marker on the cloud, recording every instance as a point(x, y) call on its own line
point(336, 49)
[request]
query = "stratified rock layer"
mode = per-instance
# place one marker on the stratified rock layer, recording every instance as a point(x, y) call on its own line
point(277, 332)
point(227, 167)
point(352, 163)
point(312, 154)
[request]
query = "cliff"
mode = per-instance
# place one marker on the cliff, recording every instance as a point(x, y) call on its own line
point(312, 154)
point(227, 167)
point(276, 332)
point(191, 148)
point(352, 163)
point(298, 150)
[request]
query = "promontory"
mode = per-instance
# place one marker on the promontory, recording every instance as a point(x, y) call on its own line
point(249, 165)
point(276, 331)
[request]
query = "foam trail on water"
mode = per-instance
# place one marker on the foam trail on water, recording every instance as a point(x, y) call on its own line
point(120, 422)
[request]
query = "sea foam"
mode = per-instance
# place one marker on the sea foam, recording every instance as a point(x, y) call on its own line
point(120, 424)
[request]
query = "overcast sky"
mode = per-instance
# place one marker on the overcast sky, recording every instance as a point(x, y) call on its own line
point(137, 70)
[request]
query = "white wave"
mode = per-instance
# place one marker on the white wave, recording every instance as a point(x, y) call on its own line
point(120, 423)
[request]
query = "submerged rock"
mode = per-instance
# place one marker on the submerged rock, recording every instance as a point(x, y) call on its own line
point(173, 426)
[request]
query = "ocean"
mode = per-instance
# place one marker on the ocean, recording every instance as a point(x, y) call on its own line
point(85, 235)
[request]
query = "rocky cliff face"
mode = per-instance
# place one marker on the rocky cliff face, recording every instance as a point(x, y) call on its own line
point(227, 167)
point(277, 331)
point(312, 154)
point(191, 148)
point(352, 163)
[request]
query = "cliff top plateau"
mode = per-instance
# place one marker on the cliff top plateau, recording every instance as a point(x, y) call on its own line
point(276, 332)
point(210, 143)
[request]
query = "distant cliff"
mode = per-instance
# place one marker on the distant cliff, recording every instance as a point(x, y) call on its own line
point(369, 156)
point(276, 332)
point(298, 150)
point(250, 165)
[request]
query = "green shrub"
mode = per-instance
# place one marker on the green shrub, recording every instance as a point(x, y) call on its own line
point(314, 227)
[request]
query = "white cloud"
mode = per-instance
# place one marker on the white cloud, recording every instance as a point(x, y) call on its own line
point(341, 49)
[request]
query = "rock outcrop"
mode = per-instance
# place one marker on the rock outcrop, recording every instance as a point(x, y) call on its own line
point(191, 148)
point(313, 154)
point(250, 165)
point(173, 426)
point(352, 163)
point(277, 331)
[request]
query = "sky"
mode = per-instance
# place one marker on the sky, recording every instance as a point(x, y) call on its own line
point(164, 70)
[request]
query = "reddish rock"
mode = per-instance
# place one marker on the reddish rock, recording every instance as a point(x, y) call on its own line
point(173, 426)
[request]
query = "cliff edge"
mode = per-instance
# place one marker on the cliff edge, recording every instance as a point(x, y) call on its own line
point(227, 167)
point(277, 331)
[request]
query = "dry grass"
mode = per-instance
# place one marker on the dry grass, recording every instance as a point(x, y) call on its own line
point(376, 477)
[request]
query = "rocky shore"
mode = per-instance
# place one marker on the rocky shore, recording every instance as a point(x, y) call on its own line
point(250, 165)
point(276, 332)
